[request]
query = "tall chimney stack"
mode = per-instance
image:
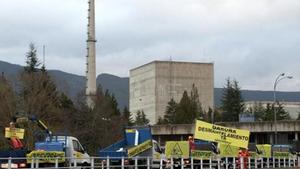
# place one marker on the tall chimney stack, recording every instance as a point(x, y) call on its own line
point(91, 56)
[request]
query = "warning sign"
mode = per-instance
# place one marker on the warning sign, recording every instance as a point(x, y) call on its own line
point(264, 150)
point(177, 149)
point(227, 150)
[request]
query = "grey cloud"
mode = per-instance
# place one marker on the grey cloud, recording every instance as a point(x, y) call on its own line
point(251, 41)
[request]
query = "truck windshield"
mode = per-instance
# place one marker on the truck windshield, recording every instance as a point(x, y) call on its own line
point(77, 146)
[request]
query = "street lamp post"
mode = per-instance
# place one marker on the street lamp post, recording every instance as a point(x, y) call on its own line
point(277, 80)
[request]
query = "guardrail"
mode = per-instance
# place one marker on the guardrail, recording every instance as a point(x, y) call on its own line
point(162, 163)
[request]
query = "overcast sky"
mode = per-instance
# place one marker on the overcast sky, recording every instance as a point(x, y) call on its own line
point(250, 40)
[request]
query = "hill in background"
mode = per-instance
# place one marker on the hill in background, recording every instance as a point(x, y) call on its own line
point(73, 84)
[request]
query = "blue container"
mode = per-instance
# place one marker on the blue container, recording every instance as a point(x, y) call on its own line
point(49, 146)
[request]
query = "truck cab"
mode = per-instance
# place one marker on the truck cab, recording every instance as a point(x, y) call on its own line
point(67, 148)
point(75, 152)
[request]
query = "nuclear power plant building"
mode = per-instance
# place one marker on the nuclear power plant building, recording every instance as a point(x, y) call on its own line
point(153, 85)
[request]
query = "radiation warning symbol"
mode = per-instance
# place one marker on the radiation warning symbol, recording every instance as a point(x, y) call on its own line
point(176, 151)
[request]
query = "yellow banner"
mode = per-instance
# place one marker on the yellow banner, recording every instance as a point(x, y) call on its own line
point(215, 133)
point(139, 148)
point(46, 156)
point(198, 154)
point(14, 132)
point(227, 150)
point(177, 149)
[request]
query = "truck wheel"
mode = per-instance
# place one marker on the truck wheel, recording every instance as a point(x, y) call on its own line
point(85, 166)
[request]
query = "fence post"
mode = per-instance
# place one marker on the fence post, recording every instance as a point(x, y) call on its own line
point(241, 162)
point(9, 163)
point(37, 163)
point(92, 163)
point(148, 162)
point(107, 162)
point(249, 162)
point(201, 163)
point(161, 163)
point(289, 161)
point(172, 163)
point(122, 163)
point(226, 163)
point(56, 162)
point(284, 160)
point(219, 163)
point(268, 162)
point(279, 160)
point(192, 163)
point(32, 163)
point(75, 162)
point(135, 163)
point(233, 163)
point(261, 163)
point(182, 163)
point(255, 162)
point(210, 163)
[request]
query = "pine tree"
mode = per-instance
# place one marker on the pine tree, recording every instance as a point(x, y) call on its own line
point(258, 111)
point(185, 113)
point(269, 112)
point(281, 113)
point(170, 114)
point(128, 117)
point(32, 62)
point(232, 102)
point(141, 119)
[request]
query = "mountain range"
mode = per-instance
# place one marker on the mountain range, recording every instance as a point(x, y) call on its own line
point(73, 84)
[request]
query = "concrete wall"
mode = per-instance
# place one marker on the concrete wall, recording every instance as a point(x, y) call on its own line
point(159, 81)
point(142, 90)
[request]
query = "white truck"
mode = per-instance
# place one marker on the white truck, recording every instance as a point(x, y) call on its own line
point(61, 150)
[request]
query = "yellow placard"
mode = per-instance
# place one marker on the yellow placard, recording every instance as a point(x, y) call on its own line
point(264, 150)
point(215, 133)
point(14, 132)
point(130, 130)
point(198, 154)
point(139, 148)
point(177, 149)
point(46, 156)
point(279, 154)
point(227, 150)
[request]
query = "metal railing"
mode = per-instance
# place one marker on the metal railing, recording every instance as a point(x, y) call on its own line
point(149, 163)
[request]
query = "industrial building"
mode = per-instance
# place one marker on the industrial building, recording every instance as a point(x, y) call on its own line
point(153, 85)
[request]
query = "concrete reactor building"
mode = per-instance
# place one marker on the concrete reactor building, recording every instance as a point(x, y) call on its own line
point(153, 85)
